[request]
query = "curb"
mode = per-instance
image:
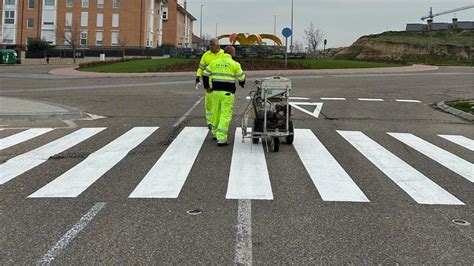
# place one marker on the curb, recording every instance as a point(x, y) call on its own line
point(68, 113)
point(456, 112)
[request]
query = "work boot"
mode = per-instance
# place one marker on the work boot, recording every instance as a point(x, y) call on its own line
point(222, 142)
point(209, 126)
point(214, 137)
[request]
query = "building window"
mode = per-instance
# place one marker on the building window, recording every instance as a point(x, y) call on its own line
point(49, 2)
point(99, 36)
point(100, 3)
point(68, 38)
point(83, 38)
point(69, 3)
point(84, 19)
point(115, 38)
point(116, 4)
point(30, 23)
point(9, 2)
point(9, 17)
point(100, 19)
point(85, 3)
point(68, 19)
point(31, 4)
point(115, 20)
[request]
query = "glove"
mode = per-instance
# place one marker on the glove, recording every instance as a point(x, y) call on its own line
point(242, 83)
point(198, 79)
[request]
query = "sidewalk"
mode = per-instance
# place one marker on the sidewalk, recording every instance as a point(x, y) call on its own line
point(71, 71)
point(13, 108)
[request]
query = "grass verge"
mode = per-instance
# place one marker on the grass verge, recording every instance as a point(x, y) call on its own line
point(182, 64)
point(463, 105)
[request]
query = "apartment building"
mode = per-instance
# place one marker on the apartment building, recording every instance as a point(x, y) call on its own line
point(177, 24)
point(91, 23)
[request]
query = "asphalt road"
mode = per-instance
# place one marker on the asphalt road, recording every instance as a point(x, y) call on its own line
point(303, 223)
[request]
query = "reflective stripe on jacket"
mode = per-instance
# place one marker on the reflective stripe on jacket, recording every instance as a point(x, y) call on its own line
point(223, 73)
point(206, 59)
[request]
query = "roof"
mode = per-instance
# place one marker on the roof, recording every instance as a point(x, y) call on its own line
point(184, 11)
point(415, 27)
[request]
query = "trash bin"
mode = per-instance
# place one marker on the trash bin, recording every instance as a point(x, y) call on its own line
point(102, 57)
point(8, 56)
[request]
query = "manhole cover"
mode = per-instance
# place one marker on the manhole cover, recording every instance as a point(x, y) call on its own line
point(460, 222)
point(194, 212)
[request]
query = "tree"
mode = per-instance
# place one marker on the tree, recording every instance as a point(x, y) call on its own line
point(123, 42)
point(313, 37)
point(38, 45)
point(71, 36)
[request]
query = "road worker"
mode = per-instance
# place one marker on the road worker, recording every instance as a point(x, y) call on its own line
point(214, 52)
point(221, 75)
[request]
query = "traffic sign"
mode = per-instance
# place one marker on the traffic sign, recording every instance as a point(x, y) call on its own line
point(286, 32)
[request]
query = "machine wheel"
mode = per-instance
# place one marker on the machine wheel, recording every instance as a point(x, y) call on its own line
point(275, 144)
point(255, 140)
point(289, 139)
point(255, 128)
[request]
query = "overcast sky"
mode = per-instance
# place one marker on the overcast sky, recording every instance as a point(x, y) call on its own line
point(342, 21)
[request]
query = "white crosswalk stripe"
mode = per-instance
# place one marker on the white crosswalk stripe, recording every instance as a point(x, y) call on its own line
point(449, 160)
point(22, 163)
point(332, 182)
point(418, 186)
point(23, 136)
point(167, 176)
point(248, 178)
point(79, 178)
point(460, 140)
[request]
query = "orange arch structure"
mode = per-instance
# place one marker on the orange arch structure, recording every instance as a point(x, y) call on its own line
point(252, 39)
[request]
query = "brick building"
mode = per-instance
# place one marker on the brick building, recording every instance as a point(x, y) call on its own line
point(177, 24)
point(94, 23)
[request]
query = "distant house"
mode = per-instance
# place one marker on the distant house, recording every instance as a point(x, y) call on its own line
point(440, 26)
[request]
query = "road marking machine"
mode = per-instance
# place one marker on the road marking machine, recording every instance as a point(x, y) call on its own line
point(270, 110)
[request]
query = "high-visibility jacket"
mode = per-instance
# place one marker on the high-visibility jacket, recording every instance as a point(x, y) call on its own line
point(222, 74)
point(206, 59)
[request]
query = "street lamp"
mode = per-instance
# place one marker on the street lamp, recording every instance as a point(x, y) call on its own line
point(200, 28)
point(274, 26)
point(292, 31)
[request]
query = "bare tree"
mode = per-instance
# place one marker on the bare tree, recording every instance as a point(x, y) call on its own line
point(71, 36)
point(313, 36)
point(123, 42)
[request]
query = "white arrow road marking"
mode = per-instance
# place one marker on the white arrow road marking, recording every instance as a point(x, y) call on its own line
point(316, 111)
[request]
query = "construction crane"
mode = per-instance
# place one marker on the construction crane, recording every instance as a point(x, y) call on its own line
point(431, 15)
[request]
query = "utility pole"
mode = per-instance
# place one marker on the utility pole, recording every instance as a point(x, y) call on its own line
point(200, 28)
point(293, 32)
point(274, 27)
point(216, 29)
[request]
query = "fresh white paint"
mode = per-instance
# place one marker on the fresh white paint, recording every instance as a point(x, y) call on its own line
point(167, 176)
point(407, 101)
point(370, 99)
point(22, 163)
point(460, 140)
point(330, 179)
point(418, 186)
point(22, 137)
point(80, 177)
point(248, 178)
point(332, 99)
point(315, 113)
point(448, 160)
